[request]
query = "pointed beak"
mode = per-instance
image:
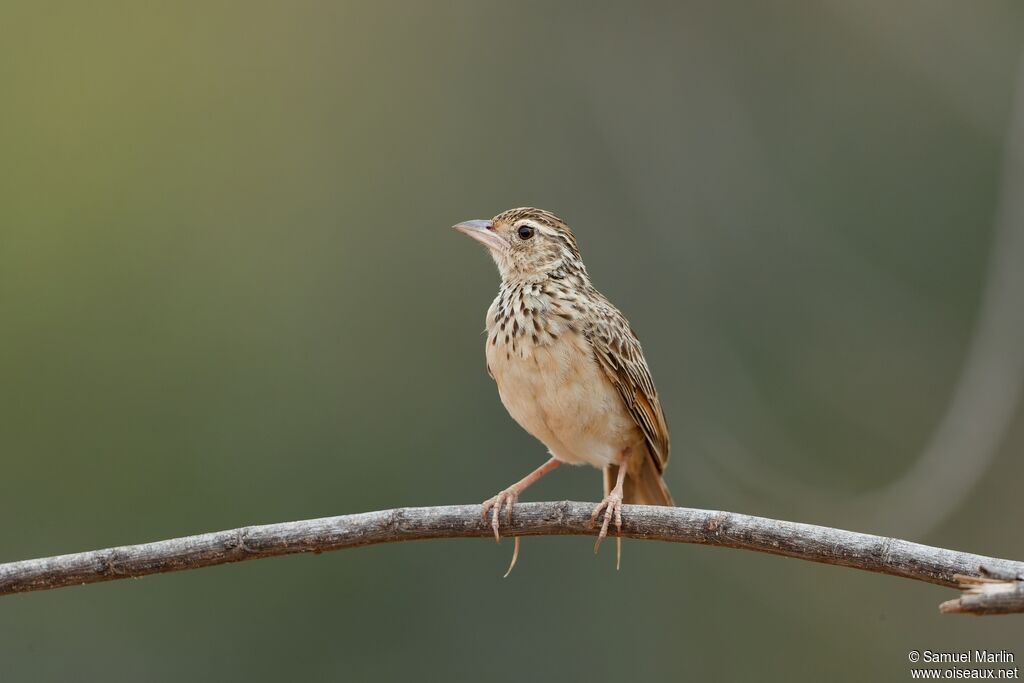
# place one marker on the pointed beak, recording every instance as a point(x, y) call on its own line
point(483, 232)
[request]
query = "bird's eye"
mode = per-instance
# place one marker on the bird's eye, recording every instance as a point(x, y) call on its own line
point(525, 232)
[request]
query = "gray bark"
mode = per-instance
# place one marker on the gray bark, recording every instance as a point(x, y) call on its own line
point(680, 525)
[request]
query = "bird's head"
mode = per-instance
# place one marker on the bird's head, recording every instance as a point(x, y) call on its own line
point(526, 243)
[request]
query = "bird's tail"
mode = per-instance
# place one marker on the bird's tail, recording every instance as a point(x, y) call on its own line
point(643, 487)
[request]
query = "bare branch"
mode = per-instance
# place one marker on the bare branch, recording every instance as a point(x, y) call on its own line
point(680, 525)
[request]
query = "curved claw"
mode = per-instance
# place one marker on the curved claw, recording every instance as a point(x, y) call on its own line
point(612, 508)
point(506, 498)
point(515, 556)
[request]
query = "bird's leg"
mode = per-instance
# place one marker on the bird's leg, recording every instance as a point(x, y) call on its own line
point(509, 496)
point(611, 505)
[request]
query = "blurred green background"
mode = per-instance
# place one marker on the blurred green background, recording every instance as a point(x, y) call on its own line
point(229, 295)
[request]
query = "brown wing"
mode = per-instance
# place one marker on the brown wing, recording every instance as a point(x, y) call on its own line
point(618, 352)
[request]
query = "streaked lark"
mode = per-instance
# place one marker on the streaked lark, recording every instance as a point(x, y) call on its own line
point(568, 367)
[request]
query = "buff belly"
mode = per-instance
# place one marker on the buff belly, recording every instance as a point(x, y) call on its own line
point(557, 392)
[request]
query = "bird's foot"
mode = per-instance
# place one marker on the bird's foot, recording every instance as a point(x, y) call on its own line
point(611, 507)
point(506, 498)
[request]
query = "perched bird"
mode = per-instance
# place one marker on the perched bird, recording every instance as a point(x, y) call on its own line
point(568, 367)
